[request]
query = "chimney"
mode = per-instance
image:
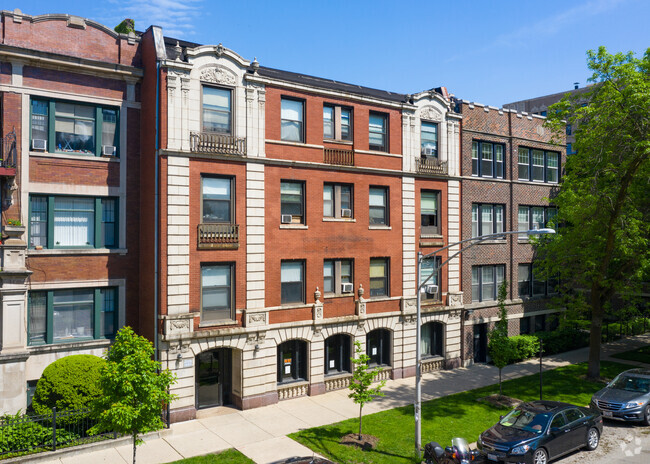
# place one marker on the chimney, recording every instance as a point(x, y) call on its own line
point(576, 84)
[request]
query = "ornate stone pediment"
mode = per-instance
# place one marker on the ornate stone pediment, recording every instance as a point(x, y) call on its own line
point(431, 114)
point(218, 75)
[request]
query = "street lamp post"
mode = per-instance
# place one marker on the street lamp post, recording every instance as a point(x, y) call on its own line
point(418, 355)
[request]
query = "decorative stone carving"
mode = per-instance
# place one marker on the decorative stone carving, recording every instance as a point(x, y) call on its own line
point(409, 305)
point(540, 130)
point(361, 307)
point(318, 311)
point(256, 338)
point(178, 346)
point(431, 114)
point(218, 75)
point(318, 329)
point(360, 291)
point(220, 49)
point(255, 65)
point(179, 325)
point(177, 52)
point(256, 318)
point(455, 299)
point(409, 319)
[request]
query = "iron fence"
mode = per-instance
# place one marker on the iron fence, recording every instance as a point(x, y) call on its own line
point(25, 434)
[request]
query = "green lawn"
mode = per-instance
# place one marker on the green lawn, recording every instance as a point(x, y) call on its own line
point(642, 355)
point(444, 418)
point(230, 456)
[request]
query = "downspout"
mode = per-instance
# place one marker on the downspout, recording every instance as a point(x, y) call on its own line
point(156, 216)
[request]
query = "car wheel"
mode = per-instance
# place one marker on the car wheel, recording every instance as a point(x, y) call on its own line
point(540, 456)
point(646, 415)
point(593, 438)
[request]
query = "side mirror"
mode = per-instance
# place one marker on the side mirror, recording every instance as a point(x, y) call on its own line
point(501, 418)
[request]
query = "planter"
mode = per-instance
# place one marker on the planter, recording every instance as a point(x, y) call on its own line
point(13, 232)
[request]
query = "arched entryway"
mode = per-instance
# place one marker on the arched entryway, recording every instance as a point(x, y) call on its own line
point(213, 378)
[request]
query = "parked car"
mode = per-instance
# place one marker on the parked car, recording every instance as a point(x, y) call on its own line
point(538, 431)
point(626, 398)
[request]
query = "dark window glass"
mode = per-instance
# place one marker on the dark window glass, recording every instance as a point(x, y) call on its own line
point(337, 354)
point(540, 322)
point(488, 159)
point(378, 132)
point(38, 222)
point(292, 361)
point(378, 347)
point(216, 292)
point(429, 212)
point(37, 317)
point(217, 199)
point(109, 222)
point(431, 339)
point(523, 277)
point(108, 318)
point(486, 281)
point(337, 201)
point(217, 110)
point(524, 325)
point(328, 122)
point(74, 128)
point(429, 138)
point(559, 421)
point(378, 202)
point(292, 281)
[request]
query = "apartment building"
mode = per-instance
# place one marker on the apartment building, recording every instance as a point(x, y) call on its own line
point(511, 171)
point(69, 121)
point(291, 208)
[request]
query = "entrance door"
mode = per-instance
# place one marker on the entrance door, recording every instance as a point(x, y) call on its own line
point(480, 343)
point(213, 378)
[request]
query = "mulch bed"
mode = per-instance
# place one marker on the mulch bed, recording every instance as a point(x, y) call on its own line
point(501, 401)
point(367, 442)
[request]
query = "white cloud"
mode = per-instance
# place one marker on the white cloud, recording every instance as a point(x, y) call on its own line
point(176, 17)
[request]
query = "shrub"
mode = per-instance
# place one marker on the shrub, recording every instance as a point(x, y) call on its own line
point(563, 339)
point(18, 433)
point(525, 347)
point(68, 383)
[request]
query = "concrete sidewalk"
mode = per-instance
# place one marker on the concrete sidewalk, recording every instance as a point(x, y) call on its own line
point(261, 433)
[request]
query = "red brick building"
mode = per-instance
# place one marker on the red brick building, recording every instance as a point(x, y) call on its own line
point(69, 118)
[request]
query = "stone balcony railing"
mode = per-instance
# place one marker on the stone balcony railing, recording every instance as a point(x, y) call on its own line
point(338, 156)
point(292, 390)
point(434, 364)
point(429, 165)
point(218, 144)
point(337, 382)
point(218, 236)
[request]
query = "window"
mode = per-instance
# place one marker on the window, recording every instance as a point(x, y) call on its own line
point(337, 354)
point(486, 281)
point(487, 219)
point(337, 201)
point(378, 347)
point(524, 325)
point(429, 212)
point(292, 197)
point(431, 339)
point(217, 110)
point(31, 391)
point(337, 276)
point(428, 268)
point(218, 204)
point(292, 114)
point(378, 132)
point(292, 361)
point(57, 316)
point(379, 277)
point(378, 206)
point(68, 127)
point(337, 123)
point(532, 284)
point(487, 159)
point(569, 149)
point(540, 322)
point(429, 138)
point(535, 217)
point(73, 222)
point(568, 129)
point(217, 292)
point(539, 165)
point(558, 421)
point(292, 281)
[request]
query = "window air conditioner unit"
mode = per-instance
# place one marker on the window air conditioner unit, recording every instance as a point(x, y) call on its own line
point(286, 218)
point(108, 150)
point(346, 213)
point(428, 151)
point(431, 289)
point(39, 144)
point(347, 287)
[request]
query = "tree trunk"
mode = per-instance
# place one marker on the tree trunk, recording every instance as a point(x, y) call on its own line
point(134, 440)
point(595, 334)
point(500, 389)
point(360, 416)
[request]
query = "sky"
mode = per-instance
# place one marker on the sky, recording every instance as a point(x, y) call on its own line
point(486, 51)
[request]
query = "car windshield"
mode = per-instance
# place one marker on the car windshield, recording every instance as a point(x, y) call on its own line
point(629, 383)
point(526, 420)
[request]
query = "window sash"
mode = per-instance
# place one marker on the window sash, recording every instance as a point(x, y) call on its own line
point(377, 132)
point(486, 219)
point(74, 222)
point(292, 115)
point(475, 165)
point(38, 222)
point(217, 199)
point(346, 124)
point(292, 282)
point(216, 292)
point(377, 205)
point(328, 122)
point(429, 136)
point(291, 200)
point(486, 281)
point(429, 212)
point(378, 277)
point(523, 277)
point(217, 110)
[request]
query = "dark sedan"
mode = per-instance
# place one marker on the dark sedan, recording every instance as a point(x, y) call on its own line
point(536, 432)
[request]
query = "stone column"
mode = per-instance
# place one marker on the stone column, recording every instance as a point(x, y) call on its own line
point(13, 321)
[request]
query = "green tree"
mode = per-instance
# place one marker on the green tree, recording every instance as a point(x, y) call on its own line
point(501, 349)
point(134, 390)
point(362, 378)
point(126, 26)
point(604, 206)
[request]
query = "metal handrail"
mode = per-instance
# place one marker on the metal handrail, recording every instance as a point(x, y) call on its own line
point(206, 142)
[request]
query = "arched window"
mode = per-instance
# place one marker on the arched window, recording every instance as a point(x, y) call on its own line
point(378, 347)
point(292, 361)
point(337, 354)
point(431, 339)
